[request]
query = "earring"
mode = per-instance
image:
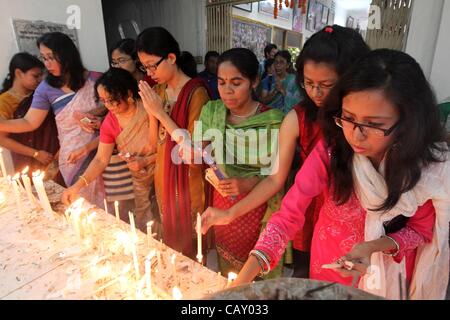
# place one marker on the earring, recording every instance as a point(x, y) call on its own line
point(131, 100)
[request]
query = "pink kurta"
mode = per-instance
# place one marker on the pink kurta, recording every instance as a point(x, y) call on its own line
point(338, 228)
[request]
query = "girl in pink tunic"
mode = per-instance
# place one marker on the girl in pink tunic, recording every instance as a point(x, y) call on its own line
point(385, 176)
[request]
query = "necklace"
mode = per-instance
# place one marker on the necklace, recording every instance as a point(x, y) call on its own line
point(246, 116)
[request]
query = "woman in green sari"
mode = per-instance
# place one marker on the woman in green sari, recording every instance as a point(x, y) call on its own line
point(244, 138)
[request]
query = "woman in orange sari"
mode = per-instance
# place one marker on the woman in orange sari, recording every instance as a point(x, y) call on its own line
point(175, 103)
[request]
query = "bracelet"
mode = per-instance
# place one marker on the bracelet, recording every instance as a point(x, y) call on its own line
point(262, 261)
point(84, 180)
point(35, 154)
point(396, 245)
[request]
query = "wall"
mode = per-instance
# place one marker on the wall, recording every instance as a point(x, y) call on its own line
point(440, 72)
point(424, 31)
point(186, 20)
point(91, 36)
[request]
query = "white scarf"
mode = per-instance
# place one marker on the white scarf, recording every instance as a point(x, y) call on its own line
point(431, 272)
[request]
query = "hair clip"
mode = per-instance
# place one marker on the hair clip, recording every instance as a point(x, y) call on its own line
point(329, 29)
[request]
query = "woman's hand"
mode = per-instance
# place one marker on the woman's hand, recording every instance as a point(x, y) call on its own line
point(76, 155)
point(151, 100)
point(356, 262)
point(44, 157)
point(215, 217)
point(237, 186)
point(86, 121)
point(70, 195)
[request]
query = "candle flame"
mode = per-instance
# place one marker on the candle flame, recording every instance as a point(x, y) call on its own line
point(37, 173)
point(232, 276)
point(16, 176)
point(172, 258)
point(25, 171)
point(176, 293)
point(150, 223)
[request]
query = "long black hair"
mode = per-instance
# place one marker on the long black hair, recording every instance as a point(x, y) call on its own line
point(118, 83)
point(160, 42)
point(67, 54)
point(22, 61)
point(416, 138)
point(334, 45)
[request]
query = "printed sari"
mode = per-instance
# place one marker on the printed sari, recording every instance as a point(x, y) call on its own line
point(134, 139)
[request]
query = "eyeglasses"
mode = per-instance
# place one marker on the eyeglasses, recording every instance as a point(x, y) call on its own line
point(119, 62)
point(321, 89)
point(152, 67)
point(366, 130)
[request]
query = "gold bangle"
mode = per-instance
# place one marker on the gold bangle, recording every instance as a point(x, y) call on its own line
point(84, 180)
point(35, 154)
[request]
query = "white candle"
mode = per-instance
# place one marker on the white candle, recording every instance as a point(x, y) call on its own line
point(132, 225)
point(106, 206)
point(38, 180)
point(199, 238)
point(12, 181)
point(116, 209)
point(75, 217)
point(27, 183)
point(90, 222)
point(149, 232)
point(2, 164)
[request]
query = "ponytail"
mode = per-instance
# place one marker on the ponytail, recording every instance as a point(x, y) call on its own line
point(7, 83)
point(22, 61)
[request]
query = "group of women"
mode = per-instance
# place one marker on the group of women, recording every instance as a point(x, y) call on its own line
point(372, 192)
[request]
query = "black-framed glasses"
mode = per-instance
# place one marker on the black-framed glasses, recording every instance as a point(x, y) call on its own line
point(365, 129)
point(152, 67)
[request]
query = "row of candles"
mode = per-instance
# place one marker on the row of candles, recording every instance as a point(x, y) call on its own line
point(38, 181)
point(85, 225)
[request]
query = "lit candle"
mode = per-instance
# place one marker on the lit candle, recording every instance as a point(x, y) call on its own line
point(149, 232)
point(2, 163)
point(231, 277)
point(199, 238)
point(12, 181)
point(176, 293)
point(27, 183)
point(38, 180)
point(75, 217)
point(116, 209)
point(132, 225)
point(90, 222)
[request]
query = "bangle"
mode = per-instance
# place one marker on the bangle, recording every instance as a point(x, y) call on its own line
point(396, 245)
point(262, 261)
point(84, 180)
point(35, 154)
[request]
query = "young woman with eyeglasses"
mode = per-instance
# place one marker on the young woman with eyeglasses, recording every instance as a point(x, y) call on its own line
point(324, 58)
point(124, 56)
point(67, 89)
point(175, 103)
point(384, 172)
